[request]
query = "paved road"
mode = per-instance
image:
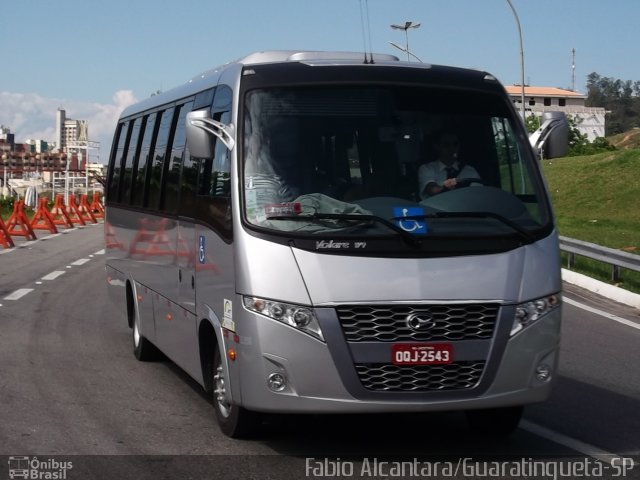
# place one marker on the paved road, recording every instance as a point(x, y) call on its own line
point(69, 385)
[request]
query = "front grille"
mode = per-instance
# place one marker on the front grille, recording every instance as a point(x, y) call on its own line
point(375, 323)
point(420, 378)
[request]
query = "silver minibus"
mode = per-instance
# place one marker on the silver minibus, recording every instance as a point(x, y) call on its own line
point(329, 232)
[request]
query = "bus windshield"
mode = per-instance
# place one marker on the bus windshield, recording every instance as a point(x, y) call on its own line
point(389, 160)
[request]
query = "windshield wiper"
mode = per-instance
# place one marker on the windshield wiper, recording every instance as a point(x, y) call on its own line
point(357, 218)
point(523, 233)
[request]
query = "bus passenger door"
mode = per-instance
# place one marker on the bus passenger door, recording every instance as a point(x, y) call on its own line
point(215, 278)
point(187, 247)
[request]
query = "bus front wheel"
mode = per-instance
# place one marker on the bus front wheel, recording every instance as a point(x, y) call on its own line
point(234, 421)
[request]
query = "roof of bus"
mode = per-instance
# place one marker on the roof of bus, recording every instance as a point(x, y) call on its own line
point(209, 78)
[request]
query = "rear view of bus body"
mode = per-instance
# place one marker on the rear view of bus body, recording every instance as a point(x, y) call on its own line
point(268, 230)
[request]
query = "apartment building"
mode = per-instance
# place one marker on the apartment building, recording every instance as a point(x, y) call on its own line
point(69, 132)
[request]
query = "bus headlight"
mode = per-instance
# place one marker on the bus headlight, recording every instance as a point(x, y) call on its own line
point(529, 312)
point(297, 316)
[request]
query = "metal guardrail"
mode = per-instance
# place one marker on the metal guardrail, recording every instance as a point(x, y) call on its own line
point(616, 258)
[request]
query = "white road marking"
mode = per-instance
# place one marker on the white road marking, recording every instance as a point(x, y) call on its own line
point(53, 235)
point(99, 252)
point(572, 443)
point(53, 275)
point(610, 316)
point(18, 294)
point(82, 261)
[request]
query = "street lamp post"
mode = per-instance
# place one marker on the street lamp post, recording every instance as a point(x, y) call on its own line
point(405, 27)
point(515, 14)
point(402, 49)
point(5, 162)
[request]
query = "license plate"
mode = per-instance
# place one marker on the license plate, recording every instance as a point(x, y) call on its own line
point(422, 353)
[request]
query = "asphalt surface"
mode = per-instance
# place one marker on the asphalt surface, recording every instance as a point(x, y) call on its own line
point(71, 388)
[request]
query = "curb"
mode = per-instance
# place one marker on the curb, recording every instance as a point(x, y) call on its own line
point(612, 292)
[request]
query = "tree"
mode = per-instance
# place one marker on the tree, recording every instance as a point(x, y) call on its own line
point(579, 143)
point(532, 123)
point(619, 97)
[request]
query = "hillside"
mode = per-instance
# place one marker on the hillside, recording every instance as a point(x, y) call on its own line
point(626, 140)
point(596, 197)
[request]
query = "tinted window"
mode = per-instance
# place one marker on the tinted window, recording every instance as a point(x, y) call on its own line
point(188, 183)
point(155, 180)
point(214, 179)
point(172, 183)
point(116, 162)
point(130, 161)
point(144, 160)
point(215, 172)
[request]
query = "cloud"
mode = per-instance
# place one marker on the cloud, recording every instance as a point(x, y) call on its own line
point(31, 116)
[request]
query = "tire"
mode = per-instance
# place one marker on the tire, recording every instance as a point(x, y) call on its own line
point(495, 422)
point(143, 349)
point(234, 421)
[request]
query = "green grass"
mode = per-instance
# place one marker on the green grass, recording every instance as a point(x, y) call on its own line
point(597, 199)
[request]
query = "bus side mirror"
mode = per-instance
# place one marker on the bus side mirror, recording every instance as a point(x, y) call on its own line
point(201, 130)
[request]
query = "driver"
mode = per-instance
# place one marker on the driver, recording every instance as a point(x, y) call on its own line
point(447, 172)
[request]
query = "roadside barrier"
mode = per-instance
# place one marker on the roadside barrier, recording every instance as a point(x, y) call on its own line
point(18, 223)
point(74, 212)
point(85, 210)
point(59, 213)
point(43, 220)
point(5, 238)
point(96, 206)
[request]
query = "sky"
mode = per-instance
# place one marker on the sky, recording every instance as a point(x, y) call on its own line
point(94, 58)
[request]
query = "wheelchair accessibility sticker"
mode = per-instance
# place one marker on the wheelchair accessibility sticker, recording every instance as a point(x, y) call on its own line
point(201, 252)
point(410, 219)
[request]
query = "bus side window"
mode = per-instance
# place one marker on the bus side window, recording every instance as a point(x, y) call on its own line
point(157, 165)
point(214, 176)
point(188, 184)
point(116, 163)
point(140, 178)
point(175, 157)
point(130, 163)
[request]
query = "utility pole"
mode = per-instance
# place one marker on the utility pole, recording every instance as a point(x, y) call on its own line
point(573, 69)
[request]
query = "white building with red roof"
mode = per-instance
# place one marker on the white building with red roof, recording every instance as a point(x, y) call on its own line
point(591, 120)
